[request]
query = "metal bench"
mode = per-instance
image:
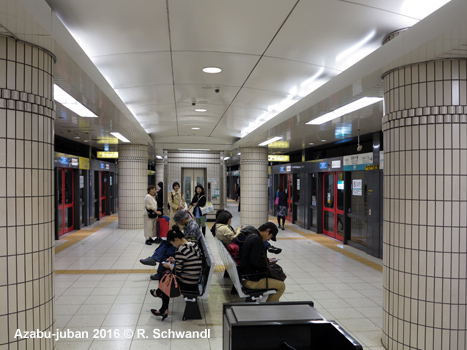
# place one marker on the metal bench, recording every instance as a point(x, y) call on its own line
point(231, 269)
point(192, 311)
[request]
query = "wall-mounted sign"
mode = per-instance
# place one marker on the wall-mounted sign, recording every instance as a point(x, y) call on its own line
point(102, 166)
point(84, 163)
point(371, 167)
point(358, 161)
point(81, 181)
point(288, 168)
point(278, 158)
point(282, 169)
point(357, 187)
point(323, 165)
point(107, 167)
point(336, 164)
point(107, 154)
point(75, 161)
point(64, 160)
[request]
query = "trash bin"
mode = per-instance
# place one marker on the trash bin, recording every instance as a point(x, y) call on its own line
point(282, 326)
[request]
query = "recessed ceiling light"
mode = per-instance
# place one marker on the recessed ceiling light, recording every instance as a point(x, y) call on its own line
point(349, 108)
point(159, 157)
point(323, 140)
point(119, 136)
point(195, 128)
point(267, 142)
point(212, 70)
point(200, 110)
point(311, 143)
point(76, 137)
point(225, 158)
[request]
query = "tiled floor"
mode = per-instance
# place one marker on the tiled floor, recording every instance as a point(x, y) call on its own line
point(112, 305)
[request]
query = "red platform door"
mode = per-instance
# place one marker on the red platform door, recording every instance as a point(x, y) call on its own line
point(333, 205)
point(66, 198)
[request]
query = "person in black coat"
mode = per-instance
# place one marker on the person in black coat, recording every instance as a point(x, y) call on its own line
point(254, 262)
point(160, 197)
point(198, 201)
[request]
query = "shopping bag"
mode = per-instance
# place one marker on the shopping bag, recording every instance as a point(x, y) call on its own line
point(169, 285)
point(207, 209)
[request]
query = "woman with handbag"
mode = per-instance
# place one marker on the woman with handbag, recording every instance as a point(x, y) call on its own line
point(280, 204)
point(150, 215)
point(198, 201)
point(186, 264)
point(176, 202)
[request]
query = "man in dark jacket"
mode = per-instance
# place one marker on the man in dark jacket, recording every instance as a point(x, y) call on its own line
point(254, 261)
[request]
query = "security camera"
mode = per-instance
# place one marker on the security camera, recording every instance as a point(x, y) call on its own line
point(193, 103)
point(359, 148)
point(216, 90)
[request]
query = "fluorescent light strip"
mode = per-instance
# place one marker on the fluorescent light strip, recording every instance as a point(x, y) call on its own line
point(225, 158)
point(274, 139)
point(119, 136)
point(69, 102)
point(194, 149)
point(159, 157)
point(351, 107)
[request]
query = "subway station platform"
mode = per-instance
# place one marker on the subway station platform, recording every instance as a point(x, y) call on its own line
point(102, 288)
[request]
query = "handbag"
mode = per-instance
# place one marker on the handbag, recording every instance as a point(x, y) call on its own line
point(151, 213)
point(276, 272)
point(207, 209)
point(276, 202)
point(169, 285)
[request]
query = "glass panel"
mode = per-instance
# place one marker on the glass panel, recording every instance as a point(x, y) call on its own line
point(298, 189)
point(187, 188)
point(103, 182)
point(68, 186)
point(329, 221)
point(358, 231)
point(314, 194)
point(329, 191)
point(314, 218)
point(59, 188)
point(69, 217)
point(60, 219)
point(340, 191)
point(340, 224)
point(358, 197)
point(200, 180)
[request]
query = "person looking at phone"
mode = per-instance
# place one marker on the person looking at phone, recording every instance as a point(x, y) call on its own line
point(254, 262)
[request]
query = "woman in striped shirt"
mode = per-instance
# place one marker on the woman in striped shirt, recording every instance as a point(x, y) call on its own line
point(188, 264)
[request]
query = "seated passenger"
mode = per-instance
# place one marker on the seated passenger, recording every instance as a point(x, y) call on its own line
point(245, 231)
point(254, 262)
point(161, 254)
point(224, 232)
point(213, 229)
point(188, 264)
point(190, 227)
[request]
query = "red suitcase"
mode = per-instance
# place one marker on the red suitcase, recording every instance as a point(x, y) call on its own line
point(163, 226)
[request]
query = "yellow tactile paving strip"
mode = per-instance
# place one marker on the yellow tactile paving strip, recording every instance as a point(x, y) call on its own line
point(79, 235)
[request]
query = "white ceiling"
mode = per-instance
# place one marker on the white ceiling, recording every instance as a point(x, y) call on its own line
point(149, 54)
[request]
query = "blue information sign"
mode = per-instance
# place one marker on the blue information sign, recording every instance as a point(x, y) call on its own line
point(63, 160)
point(323, 165)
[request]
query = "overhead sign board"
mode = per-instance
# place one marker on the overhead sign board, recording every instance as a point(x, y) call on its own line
point(278, 158)
point(107, 154)
point(323, 165)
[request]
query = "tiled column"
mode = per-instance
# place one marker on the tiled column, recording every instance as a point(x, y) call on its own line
point(26, 194)
point(425, 206)
point(254, 186)
point(159, 171)
point(132, 185)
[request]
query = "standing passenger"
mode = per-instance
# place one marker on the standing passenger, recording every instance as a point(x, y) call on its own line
point(198, 201)
point(176, 201)
point(281, 210)
point(160, 197)
point(150, 223)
